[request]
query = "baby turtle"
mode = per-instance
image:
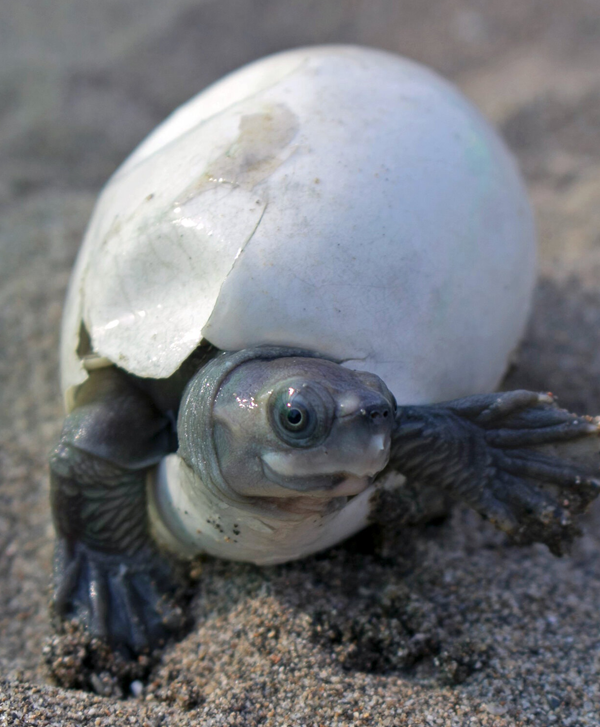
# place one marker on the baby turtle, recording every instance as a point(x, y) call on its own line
point(312, 226)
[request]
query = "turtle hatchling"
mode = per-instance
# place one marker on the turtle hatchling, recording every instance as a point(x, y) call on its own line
point(275, 291)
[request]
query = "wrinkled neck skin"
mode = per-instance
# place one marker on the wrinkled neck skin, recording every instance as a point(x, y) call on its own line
point(278, 451)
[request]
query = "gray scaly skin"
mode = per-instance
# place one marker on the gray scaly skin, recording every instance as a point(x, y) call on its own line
point(493, 451)
point(515, 457)
point(108, 572)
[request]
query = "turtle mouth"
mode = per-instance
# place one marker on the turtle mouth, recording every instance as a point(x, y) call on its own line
point(341, 484)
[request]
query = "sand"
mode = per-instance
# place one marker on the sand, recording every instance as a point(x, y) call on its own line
point(446, 625)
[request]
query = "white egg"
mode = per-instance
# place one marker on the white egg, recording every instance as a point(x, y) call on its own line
point(336, 198)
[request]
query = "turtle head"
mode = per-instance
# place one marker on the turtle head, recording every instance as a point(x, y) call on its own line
point(286, 426)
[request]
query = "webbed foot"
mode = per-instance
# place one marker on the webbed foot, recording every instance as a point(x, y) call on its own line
point(109, 575)
point(129, 601)
point(515, 457)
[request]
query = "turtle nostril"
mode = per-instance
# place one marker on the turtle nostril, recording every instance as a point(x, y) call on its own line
point(377, 412)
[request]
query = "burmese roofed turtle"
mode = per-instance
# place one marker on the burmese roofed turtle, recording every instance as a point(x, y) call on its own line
point(312, 226)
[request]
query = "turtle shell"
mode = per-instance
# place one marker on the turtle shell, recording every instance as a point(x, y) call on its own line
point(339, 199)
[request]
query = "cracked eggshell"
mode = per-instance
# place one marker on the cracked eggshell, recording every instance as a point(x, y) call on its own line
point(339, 198)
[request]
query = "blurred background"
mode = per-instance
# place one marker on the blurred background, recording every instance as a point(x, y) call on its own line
point(83, 81)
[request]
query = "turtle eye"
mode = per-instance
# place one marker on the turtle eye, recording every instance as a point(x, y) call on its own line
point(300, 416)
point(296, 417)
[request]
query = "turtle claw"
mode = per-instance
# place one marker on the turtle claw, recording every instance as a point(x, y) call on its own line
point(530, 514)
point(127, 601)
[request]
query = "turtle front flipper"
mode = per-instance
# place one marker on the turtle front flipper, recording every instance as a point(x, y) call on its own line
point(108, 573)
point(515, 457)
